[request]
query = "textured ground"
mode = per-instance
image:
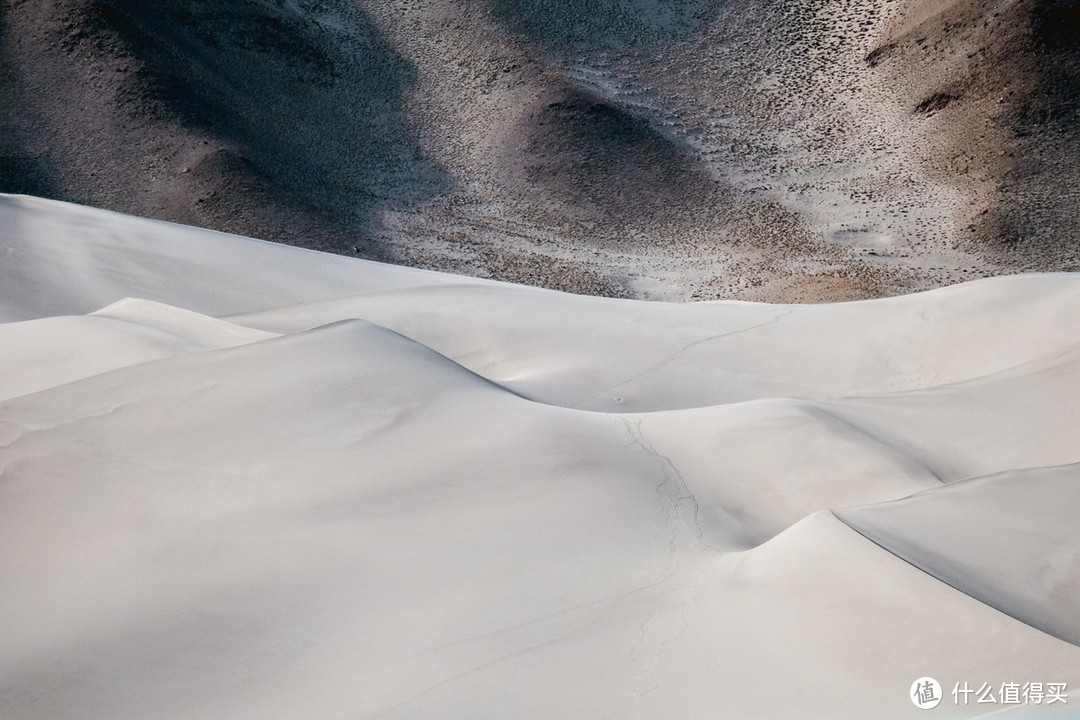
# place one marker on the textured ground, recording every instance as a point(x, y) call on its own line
point(809, 150)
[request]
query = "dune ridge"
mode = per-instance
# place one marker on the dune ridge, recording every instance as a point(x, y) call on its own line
point(292, 483)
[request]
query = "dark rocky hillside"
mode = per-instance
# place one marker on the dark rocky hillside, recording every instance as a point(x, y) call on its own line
point(758, 149)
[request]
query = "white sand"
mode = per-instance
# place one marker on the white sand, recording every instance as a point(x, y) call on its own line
point(283, 484)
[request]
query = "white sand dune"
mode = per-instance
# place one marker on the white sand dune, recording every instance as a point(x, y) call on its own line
point(39, 354)
point(995, 538)
point(283, 484)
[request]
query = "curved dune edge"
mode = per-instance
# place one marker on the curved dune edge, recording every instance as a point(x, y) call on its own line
point(997, 539)
point(296, 485)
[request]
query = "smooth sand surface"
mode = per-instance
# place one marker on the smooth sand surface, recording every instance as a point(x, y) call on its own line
point(244, 480)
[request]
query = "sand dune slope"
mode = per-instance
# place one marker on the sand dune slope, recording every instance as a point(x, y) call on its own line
point(39, 354)
point(995, 538)
point(286, 484)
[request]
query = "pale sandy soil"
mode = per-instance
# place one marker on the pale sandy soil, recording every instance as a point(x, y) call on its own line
point(239, 479)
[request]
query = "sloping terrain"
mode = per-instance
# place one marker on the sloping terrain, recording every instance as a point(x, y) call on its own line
point(292, 484)
point(993, 538)
point(238, 116)
point(752, 149)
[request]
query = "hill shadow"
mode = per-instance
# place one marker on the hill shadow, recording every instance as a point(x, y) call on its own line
point(300, 105)
point(25, 168)
point(599, 162)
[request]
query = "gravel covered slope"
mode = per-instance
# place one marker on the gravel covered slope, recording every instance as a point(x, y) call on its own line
point(755, 149)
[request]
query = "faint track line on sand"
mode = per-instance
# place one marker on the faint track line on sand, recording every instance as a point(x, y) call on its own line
point(680, 350)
